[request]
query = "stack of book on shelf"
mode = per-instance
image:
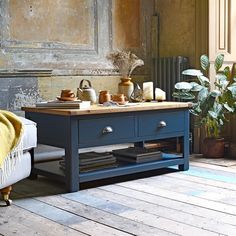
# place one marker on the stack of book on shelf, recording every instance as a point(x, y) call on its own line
point(91, 161)
point(137, 155)
point(77, 104)
point(165, 144)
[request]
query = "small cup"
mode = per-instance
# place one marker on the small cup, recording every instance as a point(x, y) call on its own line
point(104, 96)
point(120, 98)
point(67, 93)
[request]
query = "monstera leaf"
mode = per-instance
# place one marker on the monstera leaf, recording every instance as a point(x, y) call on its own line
point(215, 93)
point(207, 105)
point(219, 62)
point(202, 95)
point(204, 80)
point(213, 114)
point(196, 110)
point(228, 108)
point(183, 86)
point(232, 89)
point(205, 64)
point(216, 111)
point(192, 72)
point(227, 72)
point(196, 87)
point(183, 95)
point(221, 81)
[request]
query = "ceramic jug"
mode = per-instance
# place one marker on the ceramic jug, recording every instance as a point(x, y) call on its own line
point(86, 92)
point(126, 87)
point(104, 96)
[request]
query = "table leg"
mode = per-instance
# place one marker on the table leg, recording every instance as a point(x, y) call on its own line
point(31, 151)
point(71, 156)
point(185, 166)
point(32, 174)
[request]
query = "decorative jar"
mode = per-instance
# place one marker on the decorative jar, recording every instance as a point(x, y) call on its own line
point(126, 87)
point(104, 96)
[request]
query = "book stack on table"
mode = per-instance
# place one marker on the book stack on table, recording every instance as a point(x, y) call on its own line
point(77, 104)
point(91, 161)
point(137, 155)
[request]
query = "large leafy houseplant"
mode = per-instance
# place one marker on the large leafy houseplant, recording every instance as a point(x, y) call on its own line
point(209, 105)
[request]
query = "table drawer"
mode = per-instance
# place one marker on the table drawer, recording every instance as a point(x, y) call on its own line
point(152, 124)
point(107, 130)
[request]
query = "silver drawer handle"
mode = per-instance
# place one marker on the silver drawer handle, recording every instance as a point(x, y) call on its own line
point(107, 130)
point(162, 124)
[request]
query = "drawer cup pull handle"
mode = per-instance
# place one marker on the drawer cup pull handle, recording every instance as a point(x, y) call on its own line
point(162, 124)
point(107, 130)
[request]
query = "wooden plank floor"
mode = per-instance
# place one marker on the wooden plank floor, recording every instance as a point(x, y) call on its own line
point(201, 202)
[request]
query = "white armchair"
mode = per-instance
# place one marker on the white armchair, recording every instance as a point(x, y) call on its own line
point(22, 167)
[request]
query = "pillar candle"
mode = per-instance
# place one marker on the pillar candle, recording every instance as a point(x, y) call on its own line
point(148, 90)
point(160, 95)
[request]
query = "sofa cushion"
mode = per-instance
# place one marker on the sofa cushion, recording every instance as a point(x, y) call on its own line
point(22, 170)
point(30, 134)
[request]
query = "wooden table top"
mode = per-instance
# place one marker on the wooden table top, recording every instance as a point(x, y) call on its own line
point(99, 109)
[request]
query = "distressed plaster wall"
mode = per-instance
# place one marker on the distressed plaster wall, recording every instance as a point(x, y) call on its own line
point(177, 28)
point(126, 21)
point(73, 35)
point(51, 21)
point(16, 92)
point(69, 39)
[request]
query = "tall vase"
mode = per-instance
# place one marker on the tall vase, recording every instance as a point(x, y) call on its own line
point(126, 87)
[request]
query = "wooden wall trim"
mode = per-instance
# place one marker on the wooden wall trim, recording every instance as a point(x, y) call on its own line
point(223, 22)
point(222, 14)
point(222, 32)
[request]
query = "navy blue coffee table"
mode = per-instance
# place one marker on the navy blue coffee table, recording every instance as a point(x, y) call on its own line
point(73, 129)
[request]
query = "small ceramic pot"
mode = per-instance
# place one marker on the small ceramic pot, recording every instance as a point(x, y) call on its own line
point(119, 98)
point(104, 96)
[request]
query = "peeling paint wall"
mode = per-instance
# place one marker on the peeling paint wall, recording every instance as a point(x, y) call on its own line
point(126, 21)
point(177, 28)
point(72, 35)
point(51, 21)
point(71, 39)
point(16, 92)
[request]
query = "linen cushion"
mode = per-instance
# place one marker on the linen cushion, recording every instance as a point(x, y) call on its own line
point(30, 134)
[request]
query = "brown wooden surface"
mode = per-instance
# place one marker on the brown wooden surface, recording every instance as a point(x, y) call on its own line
point(200, 201)
point(96, 109)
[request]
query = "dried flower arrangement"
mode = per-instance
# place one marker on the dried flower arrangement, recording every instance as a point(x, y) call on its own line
point(125, 62)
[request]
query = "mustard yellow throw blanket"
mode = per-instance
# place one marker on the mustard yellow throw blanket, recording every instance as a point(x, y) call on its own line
point(11, 130)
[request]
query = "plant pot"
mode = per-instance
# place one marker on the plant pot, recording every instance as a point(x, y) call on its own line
point(213, 147)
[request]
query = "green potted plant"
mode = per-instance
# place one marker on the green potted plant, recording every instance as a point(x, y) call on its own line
point(209, 105)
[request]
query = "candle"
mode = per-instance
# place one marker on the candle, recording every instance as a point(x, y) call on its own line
point(160, 95)
point(148, 91)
